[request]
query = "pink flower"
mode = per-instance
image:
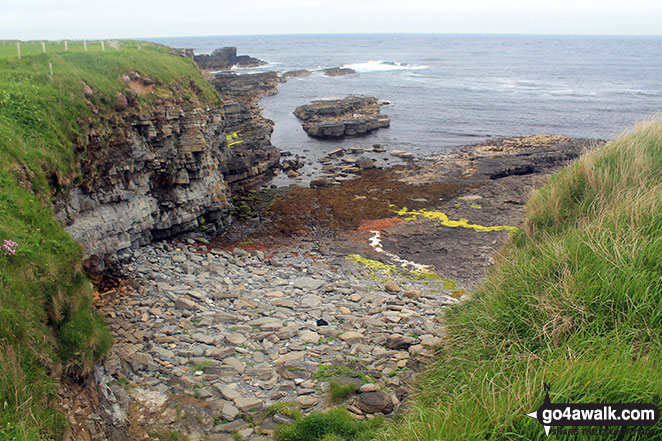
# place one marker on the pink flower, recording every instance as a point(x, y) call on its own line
point(9, 247)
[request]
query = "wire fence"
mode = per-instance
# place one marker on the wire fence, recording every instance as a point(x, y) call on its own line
point(20, 49)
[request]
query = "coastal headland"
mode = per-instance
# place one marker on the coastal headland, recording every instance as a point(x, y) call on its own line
point(237, 310)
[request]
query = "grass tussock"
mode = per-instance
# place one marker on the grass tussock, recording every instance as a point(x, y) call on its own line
point(336, 424)
point(338, 392)
point(47, 326)
point(575, 301)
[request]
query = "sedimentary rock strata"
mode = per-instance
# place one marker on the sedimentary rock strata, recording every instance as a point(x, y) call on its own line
point(248, 132)
point(154, 171)
point(226, 58)
point(352, 116)
point(147, 174)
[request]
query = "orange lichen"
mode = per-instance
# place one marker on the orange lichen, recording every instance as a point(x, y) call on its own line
point(378, 224)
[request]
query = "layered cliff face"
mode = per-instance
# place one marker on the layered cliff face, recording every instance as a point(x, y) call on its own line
point(147, 175)
point(154, 171)
point(248, 133)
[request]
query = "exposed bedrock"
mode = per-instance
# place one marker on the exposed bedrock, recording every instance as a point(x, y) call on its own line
point(147, 175)
point(225, 58)
point(248, 132)
point(352, 116)
point(154, 171)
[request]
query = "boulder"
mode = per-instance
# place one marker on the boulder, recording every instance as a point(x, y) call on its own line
point(375, 402)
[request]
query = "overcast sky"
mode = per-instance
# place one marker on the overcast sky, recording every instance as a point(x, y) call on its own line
point(58, 19)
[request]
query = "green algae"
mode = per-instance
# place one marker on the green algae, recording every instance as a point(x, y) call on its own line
point(373, 265)
point(443, 219)
point(477, 206)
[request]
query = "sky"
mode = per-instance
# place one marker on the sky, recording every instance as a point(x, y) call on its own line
point(77, 19)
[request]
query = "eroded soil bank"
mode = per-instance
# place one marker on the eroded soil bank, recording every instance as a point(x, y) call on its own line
point(308, 287)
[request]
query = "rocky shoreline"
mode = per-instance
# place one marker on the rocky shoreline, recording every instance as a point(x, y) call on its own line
point(251, 307)
point(212, 332)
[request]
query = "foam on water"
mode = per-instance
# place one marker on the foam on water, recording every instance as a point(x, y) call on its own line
point(380, 66)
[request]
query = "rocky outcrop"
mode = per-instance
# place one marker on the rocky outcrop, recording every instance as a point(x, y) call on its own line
point(338, 71)
point(226, 58)
point(296, 73)
point(147, 174)
point(154, 171)
point(248, 132)
point(352, 116)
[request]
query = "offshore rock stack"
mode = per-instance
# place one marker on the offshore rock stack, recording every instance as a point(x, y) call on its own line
point(351, 116)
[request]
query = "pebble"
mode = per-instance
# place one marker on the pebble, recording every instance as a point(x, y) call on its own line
point(412, 293)
point(306, 401)
point(261, 329)
point(391, 286)
point(368, 387)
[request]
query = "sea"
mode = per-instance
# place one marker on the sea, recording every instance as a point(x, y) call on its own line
point(448, 90)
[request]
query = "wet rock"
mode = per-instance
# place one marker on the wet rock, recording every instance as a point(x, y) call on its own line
point(402, 154)
point(338, 71)
point(320, 181)
point(296, 73)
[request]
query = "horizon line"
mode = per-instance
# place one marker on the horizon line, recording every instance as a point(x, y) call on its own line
point(147, 38)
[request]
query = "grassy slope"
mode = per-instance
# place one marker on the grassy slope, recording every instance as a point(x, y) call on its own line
point(575, 301)
point(46, 323)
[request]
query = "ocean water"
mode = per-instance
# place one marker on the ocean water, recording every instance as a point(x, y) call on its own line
point(449, 90)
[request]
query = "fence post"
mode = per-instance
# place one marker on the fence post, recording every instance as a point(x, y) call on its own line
point(43, 47)
point(66, 46)
point(85, 45)
point(18, 49)
point(50, 69)
point(103, 47)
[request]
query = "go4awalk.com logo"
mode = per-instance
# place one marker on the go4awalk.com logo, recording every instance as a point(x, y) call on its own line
point(594, 418)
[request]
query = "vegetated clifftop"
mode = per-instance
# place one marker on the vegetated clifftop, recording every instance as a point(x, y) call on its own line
point(123, 146)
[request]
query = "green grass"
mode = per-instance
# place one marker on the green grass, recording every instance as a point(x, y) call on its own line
point(284, 408)
point(575, 301)
point(28, 48)
point(167, 435)
point(47, 325)
point(336, 424)
point(339, 392)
